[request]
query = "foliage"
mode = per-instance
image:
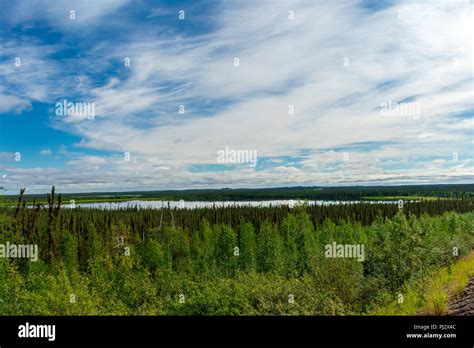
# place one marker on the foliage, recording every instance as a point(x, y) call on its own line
point(230, 261)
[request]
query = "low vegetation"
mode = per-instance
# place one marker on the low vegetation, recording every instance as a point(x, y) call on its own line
point(232, 261)
point(432, 297)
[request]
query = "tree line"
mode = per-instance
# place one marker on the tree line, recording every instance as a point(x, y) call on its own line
point(236, 260)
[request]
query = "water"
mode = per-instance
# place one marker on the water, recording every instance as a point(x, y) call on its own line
point(203, 204)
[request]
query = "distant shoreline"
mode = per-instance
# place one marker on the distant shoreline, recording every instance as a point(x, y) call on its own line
point(313, 193)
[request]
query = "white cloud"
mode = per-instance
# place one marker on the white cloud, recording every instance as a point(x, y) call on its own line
point(46, 152)
point(87, 12)
point(11, 102)
point(426, 55)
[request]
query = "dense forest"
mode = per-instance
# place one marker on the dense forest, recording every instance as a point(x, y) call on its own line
point(298, 192)
point(226, 261)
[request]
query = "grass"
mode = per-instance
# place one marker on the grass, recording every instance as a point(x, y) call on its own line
point(433, 300)
point(449, 282)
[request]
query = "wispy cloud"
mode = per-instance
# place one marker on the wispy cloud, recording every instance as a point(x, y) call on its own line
point(236, 70)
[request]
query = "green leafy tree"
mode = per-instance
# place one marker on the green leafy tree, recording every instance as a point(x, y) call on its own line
point(177, 242)
point(204, 246)
point(289, 232)
point(269, 250)
point(225, 252)
point(307, 244)
point(155, 257)
point(398, 251)
point(247, 257)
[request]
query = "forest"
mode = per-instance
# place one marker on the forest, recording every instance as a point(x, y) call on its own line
point(244, 194)
point(228, 261)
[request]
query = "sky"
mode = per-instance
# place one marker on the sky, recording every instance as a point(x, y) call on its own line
point(119, 95)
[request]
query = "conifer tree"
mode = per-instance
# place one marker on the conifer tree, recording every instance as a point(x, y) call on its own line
point(70, 254)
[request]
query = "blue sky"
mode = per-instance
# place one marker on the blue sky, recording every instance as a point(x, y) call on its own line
point(324, 93)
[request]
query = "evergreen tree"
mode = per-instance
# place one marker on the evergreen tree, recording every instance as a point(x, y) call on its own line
point(70, 254)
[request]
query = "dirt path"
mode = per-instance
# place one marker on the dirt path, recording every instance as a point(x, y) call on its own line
point(463, 304)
